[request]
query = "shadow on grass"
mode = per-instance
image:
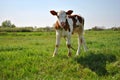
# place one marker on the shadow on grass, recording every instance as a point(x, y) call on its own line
point(97, 62)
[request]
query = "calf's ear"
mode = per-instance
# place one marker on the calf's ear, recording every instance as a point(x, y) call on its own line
point(53, 12)
point(69, 12)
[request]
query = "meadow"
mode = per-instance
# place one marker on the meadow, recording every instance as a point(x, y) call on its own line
point(28, 56)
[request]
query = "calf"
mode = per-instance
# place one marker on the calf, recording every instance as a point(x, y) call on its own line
point(65, 26)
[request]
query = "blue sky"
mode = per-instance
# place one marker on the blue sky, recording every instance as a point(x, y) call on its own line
point(36, 12)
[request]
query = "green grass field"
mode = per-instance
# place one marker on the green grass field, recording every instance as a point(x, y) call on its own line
point(28, 56)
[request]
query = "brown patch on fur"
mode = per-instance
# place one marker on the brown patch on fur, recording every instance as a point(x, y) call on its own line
point(74, 20)
point(56, 46)
point(57, 26)
point(81, 41)
point(68, 45)
point(81, 20)
point(66, 27)
point(69, 53)
point(77, 28)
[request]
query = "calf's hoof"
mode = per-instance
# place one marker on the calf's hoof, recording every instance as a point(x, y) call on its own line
point(53, 54)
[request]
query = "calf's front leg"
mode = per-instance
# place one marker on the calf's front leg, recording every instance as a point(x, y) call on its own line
point(57, 43)
point(68, 43)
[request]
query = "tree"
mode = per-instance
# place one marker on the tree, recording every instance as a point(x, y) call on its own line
point(8, 23)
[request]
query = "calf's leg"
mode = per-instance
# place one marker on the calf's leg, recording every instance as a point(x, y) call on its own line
point(68, 43)
point(57, 44)
point(84, 43)
point(81, 41)
point(79, 44)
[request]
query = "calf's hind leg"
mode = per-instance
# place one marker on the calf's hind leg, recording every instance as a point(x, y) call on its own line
point(79, 44)
point(81, 41)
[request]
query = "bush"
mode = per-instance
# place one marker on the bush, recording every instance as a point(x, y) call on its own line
point(7, 24)
point(24, 29)
point(46, 29)
point(96, 28)
point(115, 28)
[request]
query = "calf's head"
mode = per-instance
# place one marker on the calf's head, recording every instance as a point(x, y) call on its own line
point(61, 16)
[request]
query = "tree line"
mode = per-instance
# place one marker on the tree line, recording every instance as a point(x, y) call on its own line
point(96, 28)
point(7, 26)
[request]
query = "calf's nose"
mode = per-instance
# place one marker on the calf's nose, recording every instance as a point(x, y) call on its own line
point(63, 24)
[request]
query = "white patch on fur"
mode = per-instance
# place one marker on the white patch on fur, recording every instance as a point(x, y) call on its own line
point(70, 22)
point(77, 23)
point(61, 16)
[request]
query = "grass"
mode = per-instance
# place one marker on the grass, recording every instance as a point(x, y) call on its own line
point(28, 56)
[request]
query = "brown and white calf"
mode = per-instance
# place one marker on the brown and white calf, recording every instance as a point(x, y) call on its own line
point(65, 26)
